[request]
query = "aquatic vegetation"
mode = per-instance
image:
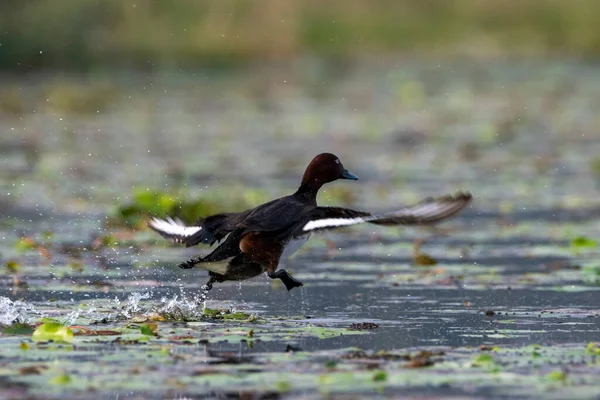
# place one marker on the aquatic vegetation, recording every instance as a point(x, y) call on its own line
point(423, 259)
point(508, 310)
point(18, 329)
point(149, 329)
point(52, 331)
point(593, 348)
point(148, 202)
point(12, 266)
point(582, 242)
point(227, 315)
point(25, 244)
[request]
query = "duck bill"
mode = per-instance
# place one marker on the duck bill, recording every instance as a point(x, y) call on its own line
point(349, 175)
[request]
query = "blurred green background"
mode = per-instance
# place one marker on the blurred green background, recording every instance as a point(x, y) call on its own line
point(89, 34)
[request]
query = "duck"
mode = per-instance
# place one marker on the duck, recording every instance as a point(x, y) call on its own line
point(254, 241)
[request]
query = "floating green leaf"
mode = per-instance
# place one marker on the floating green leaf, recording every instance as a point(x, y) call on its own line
point(24, 244)
point(18, 329)
point(12, 266)
point(557, 376)
point(483, 360)
point(227, 314)
point(593, 348)
point(108, 240)
point(52, 331)
point(380, 376)
point(149, 329)
point(62, 379)
point(283, 386)
point(424, 260)
point(582, 242)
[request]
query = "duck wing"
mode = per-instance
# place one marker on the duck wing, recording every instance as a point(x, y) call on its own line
point(277, 215)
point(428, 211)
point(175, 229)
point(207, 230)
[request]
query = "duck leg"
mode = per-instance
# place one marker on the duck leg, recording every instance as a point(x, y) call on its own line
point(191, 263)
point(289, 281)
point(209, 284)
point(266, 252)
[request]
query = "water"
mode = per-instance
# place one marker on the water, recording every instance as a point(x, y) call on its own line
point(522, 138)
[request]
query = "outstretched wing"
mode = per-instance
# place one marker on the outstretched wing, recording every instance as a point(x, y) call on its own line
point(174, 229)
point(208, 230)
point(215, 228)
point(427, 211)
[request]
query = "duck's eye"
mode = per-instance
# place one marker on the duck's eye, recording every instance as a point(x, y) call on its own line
point(337, 160)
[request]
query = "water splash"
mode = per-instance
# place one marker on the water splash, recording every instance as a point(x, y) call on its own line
point(17, 312)
point(133, 304)
point(91, 314)
point(71, 317)
point(185, 308)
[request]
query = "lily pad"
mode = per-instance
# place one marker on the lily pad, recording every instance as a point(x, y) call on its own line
point(52, 331)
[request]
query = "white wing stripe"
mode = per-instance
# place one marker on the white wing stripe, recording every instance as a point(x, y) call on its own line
point(434, 209)
point(332, 222)
point(174, 228)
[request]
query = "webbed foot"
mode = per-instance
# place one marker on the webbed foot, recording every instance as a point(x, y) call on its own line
point(289, 281)
point(190, 263)
point(206, 287)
